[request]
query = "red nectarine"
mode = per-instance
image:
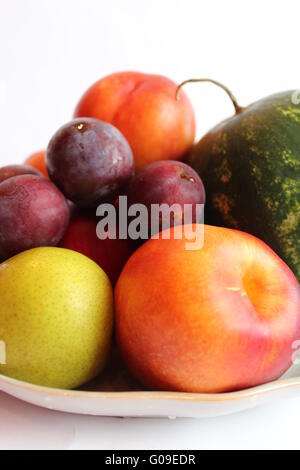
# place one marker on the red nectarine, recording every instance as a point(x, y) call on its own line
point(110, 254)
point(38, 161)
point(144, 108)
point(215, 320)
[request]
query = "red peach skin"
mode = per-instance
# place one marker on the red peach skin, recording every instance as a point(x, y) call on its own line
point(143, 107)
point(220, 319)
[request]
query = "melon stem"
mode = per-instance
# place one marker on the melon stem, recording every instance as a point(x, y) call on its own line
point(237, 107)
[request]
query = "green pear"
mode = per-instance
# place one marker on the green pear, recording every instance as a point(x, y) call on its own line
point(56, 317)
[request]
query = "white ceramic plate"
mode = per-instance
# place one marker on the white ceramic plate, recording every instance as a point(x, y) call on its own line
point(116, 394)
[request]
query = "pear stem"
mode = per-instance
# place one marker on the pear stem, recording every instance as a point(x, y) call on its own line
point(237, 107)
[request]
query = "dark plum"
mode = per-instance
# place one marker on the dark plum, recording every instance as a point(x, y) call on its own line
point(167, 182)
point(7, 172)
point(33, 213)
point(90, 161)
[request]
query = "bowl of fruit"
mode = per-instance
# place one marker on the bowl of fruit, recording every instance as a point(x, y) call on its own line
point(104, 312)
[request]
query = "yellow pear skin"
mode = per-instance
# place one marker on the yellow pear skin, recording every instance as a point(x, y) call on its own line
point(56, 317)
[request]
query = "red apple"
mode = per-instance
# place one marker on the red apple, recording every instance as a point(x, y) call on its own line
point(219, 319)
point(111, 255)
point(143, 107)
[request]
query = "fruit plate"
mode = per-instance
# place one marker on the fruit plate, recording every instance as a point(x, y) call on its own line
point(115, 393)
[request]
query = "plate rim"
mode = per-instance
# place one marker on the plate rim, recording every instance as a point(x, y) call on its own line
point(249, 393)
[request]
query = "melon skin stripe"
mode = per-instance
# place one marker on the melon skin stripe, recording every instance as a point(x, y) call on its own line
point(250, 165)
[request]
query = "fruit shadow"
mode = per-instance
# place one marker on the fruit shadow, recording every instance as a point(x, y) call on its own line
point(114, 378)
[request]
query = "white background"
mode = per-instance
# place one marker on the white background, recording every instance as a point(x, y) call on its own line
point(50, 52)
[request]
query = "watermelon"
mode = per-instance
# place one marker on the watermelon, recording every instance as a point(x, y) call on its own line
point(250, 165)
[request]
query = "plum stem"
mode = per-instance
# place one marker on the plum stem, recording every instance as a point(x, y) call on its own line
point(237, 107)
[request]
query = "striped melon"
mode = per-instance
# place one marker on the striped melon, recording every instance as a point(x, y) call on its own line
point(250, 165)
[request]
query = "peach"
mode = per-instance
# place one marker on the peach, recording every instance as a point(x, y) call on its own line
point(143, 107)
point(110, 254)
point(219, 319)
point(38, 161)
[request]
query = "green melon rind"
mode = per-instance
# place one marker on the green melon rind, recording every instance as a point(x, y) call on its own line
point(250, 165)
